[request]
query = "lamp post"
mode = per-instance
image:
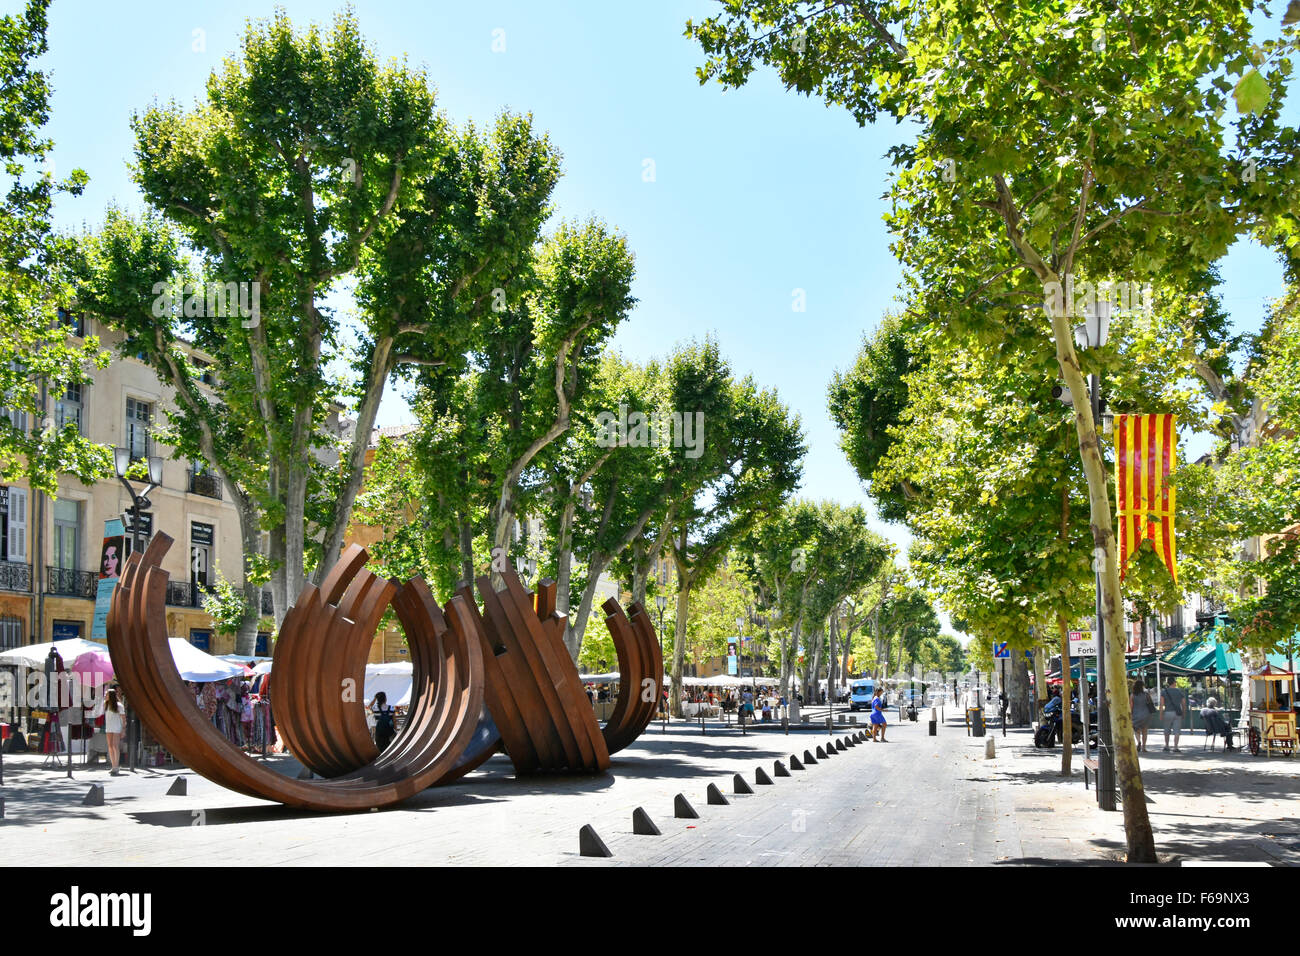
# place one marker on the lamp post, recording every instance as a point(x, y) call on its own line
point(140, 506)
point(1093, 334)
point(740, 666)
point(662, 601)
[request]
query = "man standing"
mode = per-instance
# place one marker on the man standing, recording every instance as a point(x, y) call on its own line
point(1173, 702)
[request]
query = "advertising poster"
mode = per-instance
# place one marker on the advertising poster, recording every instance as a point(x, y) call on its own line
point(110, 567)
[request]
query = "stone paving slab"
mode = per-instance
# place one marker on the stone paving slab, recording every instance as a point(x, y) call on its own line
point(917, 800)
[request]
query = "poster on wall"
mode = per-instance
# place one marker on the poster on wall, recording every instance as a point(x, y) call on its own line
point(110, 566)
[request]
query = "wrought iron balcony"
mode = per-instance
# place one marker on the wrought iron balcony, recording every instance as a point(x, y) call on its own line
point(66, 581)
point(184, 594)
point(206, 484)
point(15, 576)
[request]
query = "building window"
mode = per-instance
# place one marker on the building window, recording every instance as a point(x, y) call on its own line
point(263, 648)
point(138, 416)
point(73, 322)
point(67, 534)
point(14, 540)
point(200, 556)
point(68, 408)
point(205, 373)
point(201, 639)
point(11, 632)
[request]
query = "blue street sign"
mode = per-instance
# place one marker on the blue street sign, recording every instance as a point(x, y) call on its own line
point(1000, 649)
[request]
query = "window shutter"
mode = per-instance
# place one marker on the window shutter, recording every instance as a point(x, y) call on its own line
point(17, 524)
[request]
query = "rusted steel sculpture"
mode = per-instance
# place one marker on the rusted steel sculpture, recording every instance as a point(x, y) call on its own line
point(533, 691)
point(485, 680)
point(446, 696)
point(640, 672)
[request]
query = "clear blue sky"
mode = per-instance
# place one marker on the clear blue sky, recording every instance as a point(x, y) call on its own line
point(758, 192)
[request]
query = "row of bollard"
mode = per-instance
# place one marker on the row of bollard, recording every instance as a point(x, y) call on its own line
point(95, 795)
point(590, 843)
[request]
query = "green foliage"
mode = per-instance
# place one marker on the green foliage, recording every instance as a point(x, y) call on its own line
point(37, 352)
point(225, 603)
point(867, 402)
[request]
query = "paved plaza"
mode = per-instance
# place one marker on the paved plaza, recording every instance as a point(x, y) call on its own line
point(916, 800)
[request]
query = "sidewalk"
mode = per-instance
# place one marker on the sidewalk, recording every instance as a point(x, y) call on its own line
point(1205, 806)
point(918, 800)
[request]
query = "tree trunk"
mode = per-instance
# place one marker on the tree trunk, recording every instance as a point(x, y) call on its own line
point(279, 576)
point(250, 539)
point(573, 634)
point(466, 551)
point(1018, 713)
point(679, 642)
point(564, 565)
point(813, 674)
point(789, 651)
point(1067, 747)
point(354, 461)
point(1137, 825)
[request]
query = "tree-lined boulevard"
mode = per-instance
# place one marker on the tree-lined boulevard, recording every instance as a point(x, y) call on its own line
point(318, 234)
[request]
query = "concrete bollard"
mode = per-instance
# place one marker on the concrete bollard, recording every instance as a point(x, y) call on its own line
point(715, 797)
point(779, 769)
point(642, 824)
point(740, 785)
point(934, 727)
point(761, 777)
point(94, 796)
point(795, 762)
point(989, 748)
point(179, 787)
point(590, 843)
point(682, 808)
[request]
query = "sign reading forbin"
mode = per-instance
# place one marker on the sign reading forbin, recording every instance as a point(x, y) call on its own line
point(1083, 644)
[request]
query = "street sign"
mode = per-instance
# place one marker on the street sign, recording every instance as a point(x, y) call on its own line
point(1000, 650)
point(1083, 644)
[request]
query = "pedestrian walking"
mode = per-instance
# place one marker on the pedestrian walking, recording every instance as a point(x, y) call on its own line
point(114, 721)
point(1143, 709)
point(878, 722)
point(1173, 704)
point(385, 721)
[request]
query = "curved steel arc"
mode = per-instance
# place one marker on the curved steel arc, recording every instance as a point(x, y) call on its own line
point(447, 693)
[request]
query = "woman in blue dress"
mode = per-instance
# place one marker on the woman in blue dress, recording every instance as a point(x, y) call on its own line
point(878, 723)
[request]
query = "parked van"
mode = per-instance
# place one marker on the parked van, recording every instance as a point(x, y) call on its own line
point(860, 693)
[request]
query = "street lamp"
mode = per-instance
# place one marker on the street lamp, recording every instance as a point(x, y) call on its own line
point(140, 506)
point(1092, 334)
point(740, 665)
point(662, 601)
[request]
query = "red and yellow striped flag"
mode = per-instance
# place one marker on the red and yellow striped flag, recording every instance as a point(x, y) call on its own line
point(1145, 456)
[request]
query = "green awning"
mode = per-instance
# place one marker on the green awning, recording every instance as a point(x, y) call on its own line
point(1203, 653)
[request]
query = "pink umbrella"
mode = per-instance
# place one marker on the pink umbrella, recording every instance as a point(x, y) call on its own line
point(93, 668)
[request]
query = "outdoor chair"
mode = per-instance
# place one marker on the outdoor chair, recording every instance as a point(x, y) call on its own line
point(1217, 726)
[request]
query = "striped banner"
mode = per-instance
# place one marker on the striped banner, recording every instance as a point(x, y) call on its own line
point(1145, 456)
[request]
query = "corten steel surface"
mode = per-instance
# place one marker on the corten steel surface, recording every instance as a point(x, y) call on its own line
point(533, 692)
point(640, 669)
point(317, 650)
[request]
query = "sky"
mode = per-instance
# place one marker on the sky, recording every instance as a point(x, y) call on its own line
point(755, 195)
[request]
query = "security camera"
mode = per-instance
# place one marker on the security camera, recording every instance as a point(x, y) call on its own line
point(1062, 394)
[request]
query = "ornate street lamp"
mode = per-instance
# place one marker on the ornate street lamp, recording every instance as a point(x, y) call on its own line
point(140, 503)
point(139, 508)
